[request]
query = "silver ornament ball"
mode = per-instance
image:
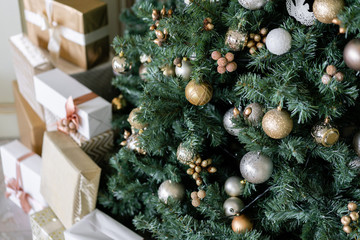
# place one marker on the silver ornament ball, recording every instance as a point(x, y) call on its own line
point(352, 54)
point(184, 71)
point(253, 113)
point(356, 143)
point(278, 41)
point(119, 64)
point(256, 167)
point(232, 206)
point(185, 155)
point(233, 186)
point(253, 4)
point(171, 189)
point(228, 123)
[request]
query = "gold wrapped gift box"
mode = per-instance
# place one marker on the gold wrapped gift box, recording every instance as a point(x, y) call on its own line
point(69, 178)
point(83, 21)
point(46, 226)
point(31, 127)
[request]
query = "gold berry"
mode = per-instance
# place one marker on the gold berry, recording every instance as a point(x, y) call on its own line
point(331, 70)
point(339, 76)
point(197, 169)
point(263, 31)
point(325, 79)
point(204, 164)
point(215, 55)
point(201, 194)
point(229, 57)
point(212, 169)
point(199, 181)
point(222, 62)
point(195, 202)
point(345, 220)
point(221, 70)
point(250, 44)
point(194, 195)
point(352, 206)
point(257, 38)
point(190, 171)
point(195, 175)
point(231, 67)
point(354, 216)
point(347, 229)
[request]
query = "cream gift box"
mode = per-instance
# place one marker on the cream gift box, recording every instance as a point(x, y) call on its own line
point(29, 168)
point(99, 226)
point(46, 226)
point(53, 88)
point(28, 60)
point(69, 178)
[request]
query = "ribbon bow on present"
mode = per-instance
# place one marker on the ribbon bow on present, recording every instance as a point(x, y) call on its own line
point(14, 186)
point(71, 122)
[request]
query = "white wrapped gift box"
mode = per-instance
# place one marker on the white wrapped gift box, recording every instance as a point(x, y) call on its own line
point(99, 226)
point(30, 169)
point(54, 87)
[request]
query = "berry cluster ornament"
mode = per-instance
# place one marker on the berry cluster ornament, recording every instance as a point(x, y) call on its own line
point(256, 167)
point(197, 196)
point(162, 36)
point(356, 143)
point(198, 94)
point(120, 65)
point(301, 11)
point(183, 68)
point(241, 224)
point(224, 63)
point(257, 40)
point(350, 220)
point(352, 54)
point(171, 189)
point(337, 21)
point(253, 4)
point(236, 39)
point(157, 15)
point(228, 123)
point(326, 10)
point(331, 72)
point(131, 142)
point(118, 103)
point(197, 166)
point(277, 123)
point(253, 113)
point(278, 41)
point(234, 186)
point(185, 155)
point(133, 121)
point(325, 133)
point(208, 26)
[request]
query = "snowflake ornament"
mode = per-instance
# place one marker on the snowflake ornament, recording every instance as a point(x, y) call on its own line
point(301, 11)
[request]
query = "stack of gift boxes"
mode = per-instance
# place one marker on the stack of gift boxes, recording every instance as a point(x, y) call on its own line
point(65, 128)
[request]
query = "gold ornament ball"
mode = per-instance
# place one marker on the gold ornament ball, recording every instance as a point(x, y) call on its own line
point(354, 216)
point(236, 40)
point(198, 94)
point(352, 206)
point(185, 154)
point(132, 119)
point(325, 134)
point(241, 224)
point(277, 123)
point(347, 229)
point(345, 220)
point(326, 10)
point(352, 54)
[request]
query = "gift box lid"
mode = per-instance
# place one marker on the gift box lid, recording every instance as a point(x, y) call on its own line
point(54, 87)
point(99, 226)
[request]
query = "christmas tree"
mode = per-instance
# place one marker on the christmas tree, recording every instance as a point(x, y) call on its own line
point(243, 121)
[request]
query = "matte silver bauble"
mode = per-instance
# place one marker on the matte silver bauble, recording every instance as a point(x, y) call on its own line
point(232, 206)
point(233, 186)
point(228, 123)
point(252, 4)
point(256, 167)
point(356, 143)
point(171, 189)
point(253, 113)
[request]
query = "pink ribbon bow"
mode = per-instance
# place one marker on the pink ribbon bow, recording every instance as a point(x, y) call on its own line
point(14, 186)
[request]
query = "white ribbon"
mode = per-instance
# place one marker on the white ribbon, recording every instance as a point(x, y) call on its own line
point(56, 31)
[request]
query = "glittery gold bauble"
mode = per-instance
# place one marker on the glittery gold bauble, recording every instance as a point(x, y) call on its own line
point(198, 94)
point(185, 155)
point(352, 54)
point(277, 123)
point(325, 134)
point(236, 40)
point(326, 10)
point(133, 121)
point(118, 103)
point(241, 224)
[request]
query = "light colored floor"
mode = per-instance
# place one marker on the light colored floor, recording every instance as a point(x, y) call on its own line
point(14, 223)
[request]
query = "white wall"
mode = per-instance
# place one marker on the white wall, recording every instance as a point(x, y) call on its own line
point(10, 24)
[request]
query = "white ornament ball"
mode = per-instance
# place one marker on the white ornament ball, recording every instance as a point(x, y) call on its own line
point(253, 4)
point(228, 123)
point(171, 189)
point(232, 206)
point(184, 71)
point(233, 186)
point(256, 167)
point(301, 11)
point(278, 41)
